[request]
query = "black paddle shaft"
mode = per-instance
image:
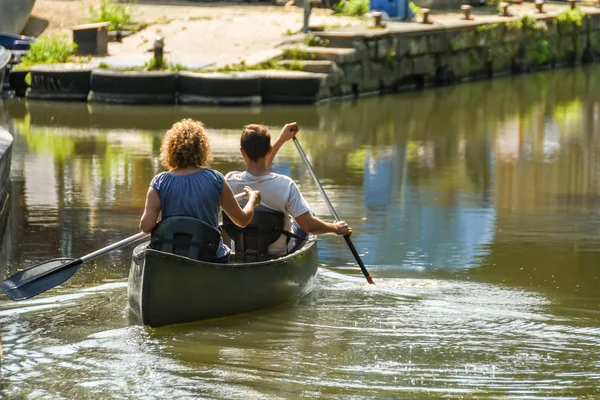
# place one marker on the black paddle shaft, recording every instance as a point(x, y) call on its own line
point(332, 210)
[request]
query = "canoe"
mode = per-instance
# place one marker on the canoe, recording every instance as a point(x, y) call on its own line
point(15, 14)
point(166, 289)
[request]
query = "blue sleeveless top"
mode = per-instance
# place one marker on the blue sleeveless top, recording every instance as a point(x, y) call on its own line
point(197, 195)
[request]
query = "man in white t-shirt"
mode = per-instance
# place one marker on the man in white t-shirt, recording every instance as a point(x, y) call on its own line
point(278, 192)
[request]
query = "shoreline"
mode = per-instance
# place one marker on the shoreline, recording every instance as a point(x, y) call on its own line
point(346, 63)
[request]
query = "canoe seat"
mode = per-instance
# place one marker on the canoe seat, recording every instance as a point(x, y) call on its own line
point(252, 242)
point(186, 236)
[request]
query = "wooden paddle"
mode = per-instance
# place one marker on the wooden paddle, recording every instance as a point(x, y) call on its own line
point(332, 210)
point(41, 277)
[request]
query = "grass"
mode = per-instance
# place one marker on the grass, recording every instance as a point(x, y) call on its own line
point(162, 65)
point(297, 54)
point(242, 66)
point(111, 11)
point(313, 40)
point(56, 48)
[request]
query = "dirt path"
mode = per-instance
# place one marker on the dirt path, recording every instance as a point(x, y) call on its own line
point(197, 34)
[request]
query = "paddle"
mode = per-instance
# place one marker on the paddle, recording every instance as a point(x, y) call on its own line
point(41, 277)
point(332, 210)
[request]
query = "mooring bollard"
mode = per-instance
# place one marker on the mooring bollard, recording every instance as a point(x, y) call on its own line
point(505, 12)
point(377, 17)
point(426, 12)
point(159, 45)
point(466, 9)
point(539, 4)
point(119, 34)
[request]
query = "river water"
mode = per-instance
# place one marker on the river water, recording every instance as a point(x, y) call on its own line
point(475, 207)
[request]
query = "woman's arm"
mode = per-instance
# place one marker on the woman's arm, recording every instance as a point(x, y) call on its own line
point(240, 216)
point(151, 211)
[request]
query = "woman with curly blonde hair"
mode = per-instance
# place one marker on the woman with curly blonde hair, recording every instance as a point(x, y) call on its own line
point(191, 189)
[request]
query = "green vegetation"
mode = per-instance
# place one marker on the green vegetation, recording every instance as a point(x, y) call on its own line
point(389, 57)
point(415, 9)
point(514, 25)
point(527, 22)
point(297, 54)
point(571, 17)
point(296, 65)
point(314, 40)
point(352, 7)
point(56, 48)
point(486, 28)
point(533, 23)
point(540, 52)
point(111, 11)
point(161, 64)
point(242, 66)
point(156, 64)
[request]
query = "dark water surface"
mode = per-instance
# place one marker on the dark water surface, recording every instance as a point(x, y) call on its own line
point(476, 208)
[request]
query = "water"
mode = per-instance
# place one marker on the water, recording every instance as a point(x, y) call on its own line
point(475, 208)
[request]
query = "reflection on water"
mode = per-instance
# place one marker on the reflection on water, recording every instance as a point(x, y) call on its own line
point(475, 208)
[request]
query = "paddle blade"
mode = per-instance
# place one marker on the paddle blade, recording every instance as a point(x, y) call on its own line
point(39, 278)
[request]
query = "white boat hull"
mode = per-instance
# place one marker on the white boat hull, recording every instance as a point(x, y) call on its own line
point(14, 14)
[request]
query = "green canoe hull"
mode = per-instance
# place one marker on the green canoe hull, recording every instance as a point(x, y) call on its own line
point(169, 289)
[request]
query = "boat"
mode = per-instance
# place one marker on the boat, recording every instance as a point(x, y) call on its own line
point(166, 288)
point(14, 14)
point(18, 46)
point(5, 57)
point(6, 141)
point(15, 42)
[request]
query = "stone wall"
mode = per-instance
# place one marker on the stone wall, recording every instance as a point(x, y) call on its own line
point(385, 60)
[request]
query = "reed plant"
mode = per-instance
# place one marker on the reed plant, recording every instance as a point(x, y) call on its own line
point(56, 48)
point(117, 14)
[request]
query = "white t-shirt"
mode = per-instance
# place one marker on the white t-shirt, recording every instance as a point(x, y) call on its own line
point(277, 192)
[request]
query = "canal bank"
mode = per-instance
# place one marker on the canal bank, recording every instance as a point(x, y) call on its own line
point(346, 63)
